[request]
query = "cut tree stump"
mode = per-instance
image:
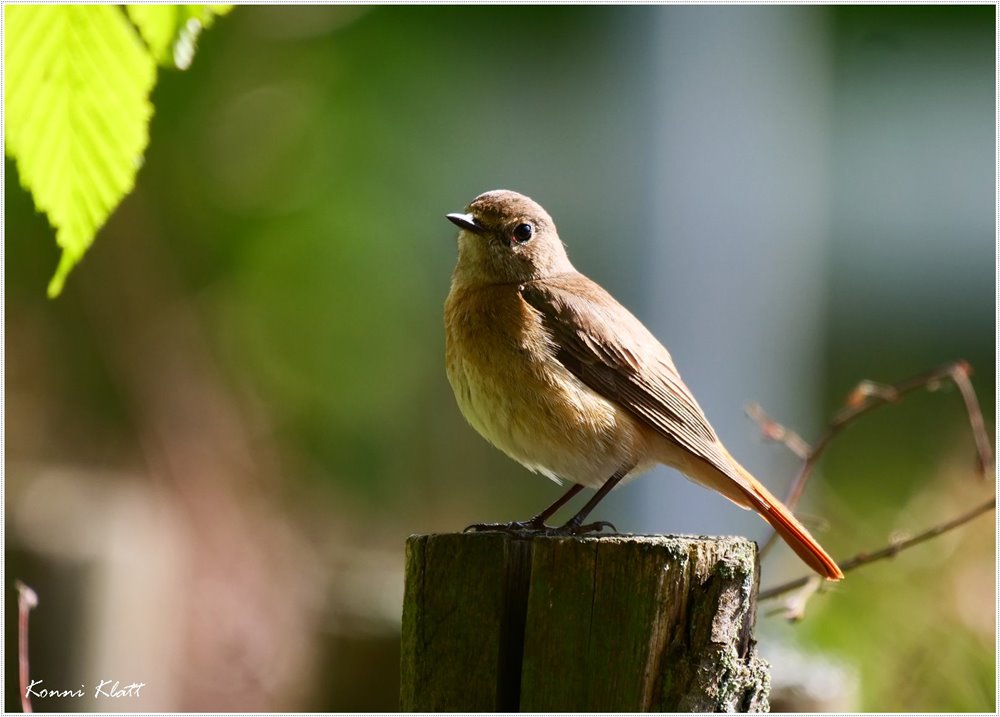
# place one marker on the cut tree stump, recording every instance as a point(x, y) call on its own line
point(619, 623)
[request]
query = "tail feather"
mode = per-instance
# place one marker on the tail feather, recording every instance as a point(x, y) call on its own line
point(788, 527)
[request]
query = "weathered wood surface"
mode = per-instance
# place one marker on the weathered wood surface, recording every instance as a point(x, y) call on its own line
point(494, 622)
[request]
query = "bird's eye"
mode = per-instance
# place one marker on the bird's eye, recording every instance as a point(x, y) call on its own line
point(523, 232)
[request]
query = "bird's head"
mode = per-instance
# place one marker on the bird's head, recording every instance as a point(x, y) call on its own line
point(506, 237)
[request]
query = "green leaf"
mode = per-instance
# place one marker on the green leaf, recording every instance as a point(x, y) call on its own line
point(158, 25)
point(77, 110)
point(171, 31)
point(77, 89)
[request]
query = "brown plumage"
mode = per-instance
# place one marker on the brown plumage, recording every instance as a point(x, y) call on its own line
point(548, 367)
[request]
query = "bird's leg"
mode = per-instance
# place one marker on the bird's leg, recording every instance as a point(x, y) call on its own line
point(531, 524)
point(575, 526)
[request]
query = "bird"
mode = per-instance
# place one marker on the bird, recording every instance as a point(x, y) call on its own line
point(549, 368)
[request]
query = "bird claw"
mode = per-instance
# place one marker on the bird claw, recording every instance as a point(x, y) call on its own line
point(595, 527)
point(538, 527)
point(515, 526)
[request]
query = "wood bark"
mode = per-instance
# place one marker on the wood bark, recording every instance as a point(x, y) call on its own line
point(498, 622)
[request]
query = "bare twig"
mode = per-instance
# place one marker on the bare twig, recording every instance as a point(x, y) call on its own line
point(866, 397)
point(774, 431)
point(26, 601)
point(889, 551)
point(794, 608)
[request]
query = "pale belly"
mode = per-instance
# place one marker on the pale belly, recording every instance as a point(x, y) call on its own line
point(542, 416)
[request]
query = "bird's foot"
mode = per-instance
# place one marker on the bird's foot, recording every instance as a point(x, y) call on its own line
point(516, 526)
point(537, 526)
point(595, 527)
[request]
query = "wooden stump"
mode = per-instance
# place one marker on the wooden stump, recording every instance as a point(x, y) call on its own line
point(495, 622)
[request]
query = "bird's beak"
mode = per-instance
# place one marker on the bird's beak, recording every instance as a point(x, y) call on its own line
point(466, 221)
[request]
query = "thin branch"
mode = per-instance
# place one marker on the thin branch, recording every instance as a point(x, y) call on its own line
point(26, 601)
point(889, 551)
point(773, 431)
point(794, 607)
point(866, 397)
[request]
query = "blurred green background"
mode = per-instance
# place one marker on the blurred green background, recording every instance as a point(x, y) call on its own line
point(221, 434)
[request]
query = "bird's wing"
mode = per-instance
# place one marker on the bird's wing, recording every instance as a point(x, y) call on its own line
point(613, 354)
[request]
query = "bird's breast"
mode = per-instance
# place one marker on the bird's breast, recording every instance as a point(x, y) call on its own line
point(511, 388)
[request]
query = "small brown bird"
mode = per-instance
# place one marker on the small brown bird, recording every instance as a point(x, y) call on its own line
point(554, 372)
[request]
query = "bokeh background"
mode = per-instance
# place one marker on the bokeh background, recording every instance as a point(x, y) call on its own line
point(221, 434)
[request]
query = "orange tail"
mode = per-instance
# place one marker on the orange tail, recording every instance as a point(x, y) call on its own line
point(789, 528)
